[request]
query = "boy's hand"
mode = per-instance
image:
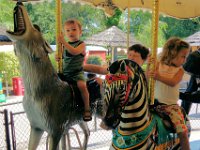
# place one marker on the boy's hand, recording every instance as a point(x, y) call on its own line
point(151, 60)
point(57, 58)
point(61, 38)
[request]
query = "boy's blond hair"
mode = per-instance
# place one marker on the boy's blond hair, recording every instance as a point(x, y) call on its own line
point(73, 21)
point(171, 49)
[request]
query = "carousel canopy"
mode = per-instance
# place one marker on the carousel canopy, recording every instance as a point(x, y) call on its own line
point(175, 8)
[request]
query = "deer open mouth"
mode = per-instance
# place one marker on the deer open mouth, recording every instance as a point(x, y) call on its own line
point(19, 23)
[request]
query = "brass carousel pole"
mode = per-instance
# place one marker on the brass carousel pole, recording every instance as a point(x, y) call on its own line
point(59, 47)
point(128, 25)
point(155, 19)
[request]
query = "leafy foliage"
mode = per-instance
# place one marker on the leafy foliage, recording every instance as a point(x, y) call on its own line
point(92, 19)
point(43, 14)
point(145, 34)
point(141, 28)
point(9, 66)
point(180, 28)
point(96, 60)
point(137, 19)
point(6, 17)
point(114, 20)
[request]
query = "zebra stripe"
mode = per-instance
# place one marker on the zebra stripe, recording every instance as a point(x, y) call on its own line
point(137, 127)
point(135, 115)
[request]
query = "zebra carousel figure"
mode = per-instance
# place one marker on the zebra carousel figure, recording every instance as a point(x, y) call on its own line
point(134, 125)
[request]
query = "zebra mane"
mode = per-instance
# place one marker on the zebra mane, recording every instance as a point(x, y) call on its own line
point(113, 68)
point(116, 67)
point(135, 68)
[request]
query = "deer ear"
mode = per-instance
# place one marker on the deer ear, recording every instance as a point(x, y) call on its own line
point(47, 47)
point(123, 66)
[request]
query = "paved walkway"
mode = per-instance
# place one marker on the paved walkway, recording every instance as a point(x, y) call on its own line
point(195, 134)
point(195, 140)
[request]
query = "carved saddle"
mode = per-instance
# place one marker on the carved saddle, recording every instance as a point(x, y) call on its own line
point(166, 119)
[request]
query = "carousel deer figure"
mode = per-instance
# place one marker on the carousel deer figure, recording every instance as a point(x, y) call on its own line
point(50, 104)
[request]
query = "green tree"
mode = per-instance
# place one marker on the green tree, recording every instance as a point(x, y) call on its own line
point(137, 19)
point(145, 34)
point(180, 27)
point(43, 14)
point(92, 19)
point(141, 28)
point(113, 20)
point(6, 11)
point(9, 66)
point(94, 60)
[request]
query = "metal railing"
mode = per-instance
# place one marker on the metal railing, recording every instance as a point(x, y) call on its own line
point(16, 130)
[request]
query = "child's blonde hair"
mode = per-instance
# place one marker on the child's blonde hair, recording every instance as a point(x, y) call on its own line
point(171, 49)
point(73, 21)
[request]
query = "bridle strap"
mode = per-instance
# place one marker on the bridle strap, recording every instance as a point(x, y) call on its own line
point(128, 87)
point(112, 78)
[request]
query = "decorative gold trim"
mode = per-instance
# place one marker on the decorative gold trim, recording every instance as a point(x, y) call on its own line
point(135, 131)
point(168, 144)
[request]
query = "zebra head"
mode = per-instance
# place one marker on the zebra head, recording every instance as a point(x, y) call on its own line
point(117, 86)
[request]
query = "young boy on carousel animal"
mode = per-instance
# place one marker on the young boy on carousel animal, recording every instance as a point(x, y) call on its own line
point(73, 58)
